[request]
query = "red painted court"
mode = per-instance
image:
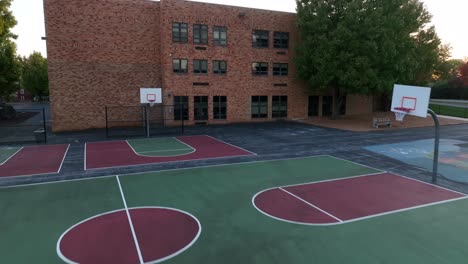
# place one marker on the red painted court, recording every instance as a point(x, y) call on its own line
point(160, 233)
point(118, 153)
point(345, 200)
point(35, 160)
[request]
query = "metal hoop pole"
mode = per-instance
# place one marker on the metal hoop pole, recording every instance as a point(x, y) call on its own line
point(147, 120)
point(436, 145)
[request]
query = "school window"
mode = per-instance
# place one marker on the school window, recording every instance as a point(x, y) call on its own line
point(200, 107)
point(179, 32)
point(181, 107)
point(281, 40)
point(259, 106)
point(279, 107)
point(219, 67)
point(280, 69)
point(260, 39)
point(200, 66)
point(200, 34)
point(260, 68)
point(179, 65)
point(219, 36)
point(219, 107)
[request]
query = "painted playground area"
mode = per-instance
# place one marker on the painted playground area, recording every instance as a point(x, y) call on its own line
point(318, 209)
point(453, 156)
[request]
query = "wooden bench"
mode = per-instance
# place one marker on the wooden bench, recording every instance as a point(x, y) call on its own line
point(381, 121)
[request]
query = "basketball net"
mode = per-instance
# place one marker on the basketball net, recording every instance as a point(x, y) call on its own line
point(151, 102)
point(400, 113)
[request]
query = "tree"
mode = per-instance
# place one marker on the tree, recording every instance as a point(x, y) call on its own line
point(34, 74)
point(364, 47)
point(9, 65)
point(464, 74)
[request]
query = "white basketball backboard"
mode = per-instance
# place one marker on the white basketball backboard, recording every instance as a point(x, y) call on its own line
point(413, 98)
point(150, 96)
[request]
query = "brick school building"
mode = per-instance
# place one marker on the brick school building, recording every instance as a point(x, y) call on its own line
point(224, 64)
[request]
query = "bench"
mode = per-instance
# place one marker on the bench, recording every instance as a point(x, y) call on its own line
point(381, 121)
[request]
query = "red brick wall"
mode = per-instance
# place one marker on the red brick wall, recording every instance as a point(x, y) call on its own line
point(100, 53)
point(239, 84)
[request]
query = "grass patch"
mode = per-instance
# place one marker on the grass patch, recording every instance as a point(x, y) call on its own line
point(449, 110)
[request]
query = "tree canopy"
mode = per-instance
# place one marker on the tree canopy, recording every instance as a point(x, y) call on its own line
point(464, 73)
point(365, 46)
point(9, 65)
point(34, 74)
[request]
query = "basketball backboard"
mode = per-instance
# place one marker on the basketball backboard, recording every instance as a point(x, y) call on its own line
point(150, 96)
point(414, 99)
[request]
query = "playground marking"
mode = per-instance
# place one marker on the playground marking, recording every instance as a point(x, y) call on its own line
point(135, 239)
point(306, 202)
point(11, 156)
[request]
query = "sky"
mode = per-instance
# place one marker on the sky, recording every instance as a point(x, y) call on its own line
point(448, 17)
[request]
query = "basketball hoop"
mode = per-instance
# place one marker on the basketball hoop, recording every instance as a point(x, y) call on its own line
point(151, 102)
point(400, 113)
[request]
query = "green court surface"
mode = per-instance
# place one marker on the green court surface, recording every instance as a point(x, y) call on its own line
point(160, 147)
point(7, 152)
point(233, 231)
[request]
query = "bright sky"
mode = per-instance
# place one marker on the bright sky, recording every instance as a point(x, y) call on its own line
point(449, 18)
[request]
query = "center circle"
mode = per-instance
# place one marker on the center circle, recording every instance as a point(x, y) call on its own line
point(161, 233)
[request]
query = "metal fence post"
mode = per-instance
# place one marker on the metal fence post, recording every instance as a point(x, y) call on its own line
point(44, 124)
point(107, 124)
point(147, 120)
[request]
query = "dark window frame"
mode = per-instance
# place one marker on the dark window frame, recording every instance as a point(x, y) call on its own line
point(280, 40)
point(198, 37)
point(219, 41)
point(200, 106)
point(198, 66)
point(179, 69)
point(257, 102)
point(280, 69)
point(219, 108)
point(179, 36)
point(261, 69)
point(261, 39)
point(279, 106)
point(217, 69)
point(181, 103)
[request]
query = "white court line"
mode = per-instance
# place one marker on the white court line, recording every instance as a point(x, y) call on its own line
point(135, 239)
point(63, 159)
point(396, 174)
point(310, 204)
point(138, 154)
point(11, 156)
point(165, 150)
point(166, 170)
point(38, 174)
point(359, 218)
point(253, 153)
point(68, 261)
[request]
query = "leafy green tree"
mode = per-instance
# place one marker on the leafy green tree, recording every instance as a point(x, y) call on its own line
point(34, 74)
point(464, 73)
point(364, 47)
point(9, 64)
